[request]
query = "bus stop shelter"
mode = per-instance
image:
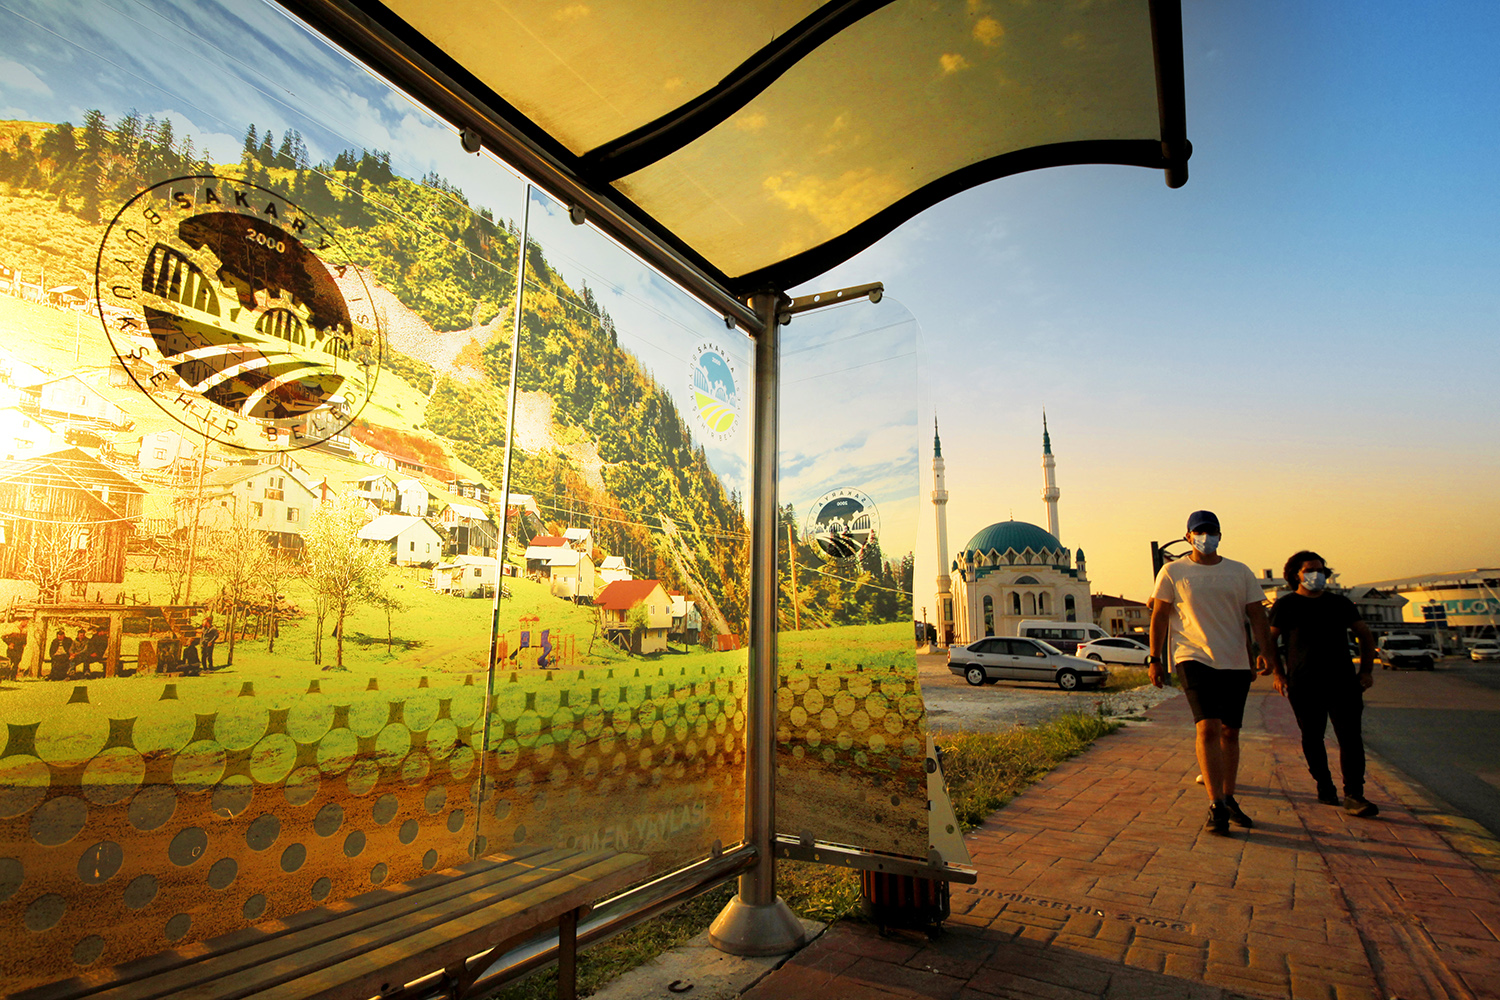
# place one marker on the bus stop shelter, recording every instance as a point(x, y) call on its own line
point(744, 149)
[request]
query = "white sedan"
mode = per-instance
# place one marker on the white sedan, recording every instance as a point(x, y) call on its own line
point(1115, 650)
point(1484, 649)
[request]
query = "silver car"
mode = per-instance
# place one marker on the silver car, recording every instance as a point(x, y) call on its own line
point(997, 658)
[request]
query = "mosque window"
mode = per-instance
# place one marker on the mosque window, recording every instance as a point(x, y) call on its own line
point(1042, 606)
point(1028, 579)
point(1015, 603)
point(989, 615)
point(1030, 604)
point(1070, 606)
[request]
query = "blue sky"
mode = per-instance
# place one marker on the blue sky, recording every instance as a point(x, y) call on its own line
point(1303, 338)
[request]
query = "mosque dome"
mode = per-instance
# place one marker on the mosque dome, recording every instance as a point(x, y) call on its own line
point(1019, 535)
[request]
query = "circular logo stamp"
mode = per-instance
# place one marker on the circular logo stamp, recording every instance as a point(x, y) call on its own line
point(237, 313)
point(841, 522)
point(716, 392)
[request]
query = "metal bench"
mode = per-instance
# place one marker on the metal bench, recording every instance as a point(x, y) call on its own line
point(383, 940)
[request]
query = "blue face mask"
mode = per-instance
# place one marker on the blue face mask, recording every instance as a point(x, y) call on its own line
point(1205, 544)
point(1314, 580)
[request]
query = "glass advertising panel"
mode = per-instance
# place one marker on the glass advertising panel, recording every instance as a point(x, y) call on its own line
point(618, 716)
point(852, 739)
point(254, 386)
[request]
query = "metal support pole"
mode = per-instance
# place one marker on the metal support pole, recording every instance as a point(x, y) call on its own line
point(757, 921)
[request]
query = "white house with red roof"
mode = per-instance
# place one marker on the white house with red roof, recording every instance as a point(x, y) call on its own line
point(616, 601)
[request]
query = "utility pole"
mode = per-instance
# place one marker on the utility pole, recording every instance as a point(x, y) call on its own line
point(791, 552)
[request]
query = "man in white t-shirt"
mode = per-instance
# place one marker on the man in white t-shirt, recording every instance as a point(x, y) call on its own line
point(1199, 609)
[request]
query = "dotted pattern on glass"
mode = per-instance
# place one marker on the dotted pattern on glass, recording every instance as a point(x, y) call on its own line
point(212, 807)
point(850, 752)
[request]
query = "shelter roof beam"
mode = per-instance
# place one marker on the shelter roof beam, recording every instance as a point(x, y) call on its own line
point(643, 146)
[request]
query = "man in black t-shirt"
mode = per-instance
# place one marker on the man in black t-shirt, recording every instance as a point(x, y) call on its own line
point(1314, 625)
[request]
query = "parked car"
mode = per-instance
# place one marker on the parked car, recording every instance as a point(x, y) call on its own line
point(1117, 649)
point(1404, 650)
point(1002, 658)
point(1484, 649)
point(1063, 636)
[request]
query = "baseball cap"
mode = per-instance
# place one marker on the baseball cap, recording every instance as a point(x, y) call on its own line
point(1202, 520)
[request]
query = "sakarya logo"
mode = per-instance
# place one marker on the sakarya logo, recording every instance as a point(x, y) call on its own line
point(715, 392)
point(228, 306)
point(841, 522)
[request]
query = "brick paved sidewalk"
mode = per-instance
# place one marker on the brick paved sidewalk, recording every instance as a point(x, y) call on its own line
point(1099, 882)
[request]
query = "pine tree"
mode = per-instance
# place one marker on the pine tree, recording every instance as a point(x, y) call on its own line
point(250, 144)
point(95, 133)
point(166, 144)
point(58, 144)
point(128, 134)
point(267, 153)
point(286, 153)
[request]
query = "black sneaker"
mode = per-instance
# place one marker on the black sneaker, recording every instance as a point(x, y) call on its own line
point(1236, 814)
point(1218, 819)
point(1356, 805)
point(1328, 795)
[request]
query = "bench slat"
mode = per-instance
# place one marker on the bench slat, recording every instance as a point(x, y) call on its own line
point(398, 922)
point(448, 882)
point(465, 892)
point(413, 955)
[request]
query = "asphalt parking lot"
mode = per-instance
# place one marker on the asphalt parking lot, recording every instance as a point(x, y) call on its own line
point(952, 703)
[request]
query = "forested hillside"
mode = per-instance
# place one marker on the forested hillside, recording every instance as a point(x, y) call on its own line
point(454, 266)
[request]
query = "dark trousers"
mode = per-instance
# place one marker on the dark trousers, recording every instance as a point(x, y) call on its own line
point(1342, 703)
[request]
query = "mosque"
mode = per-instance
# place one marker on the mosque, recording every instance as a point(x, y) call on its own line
point(1008, 572)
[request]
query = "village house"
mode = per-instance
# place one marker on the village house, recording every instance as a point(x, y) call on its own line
point(539, 554)
point(581, 539)
point(613, 568)
point(273, 500)
point(615, 603)
point(65, 519)
point(411, 540)
point(67, 297)
point(470, 489)
point(378, 489)
point(70, 399)
point(686, 620)
point(166, 453)
point(472, 530)
point(24, 436)
point(519, 502)
point(413, 497)
point(570, 572)
point(466, 576)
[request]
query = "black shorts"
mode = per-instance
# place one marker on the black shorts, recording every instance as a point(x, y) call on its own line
point(1216, 694)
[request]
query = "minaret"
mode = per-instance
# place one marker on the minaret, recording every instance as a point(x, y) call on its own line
point(1050, 492)
point(940, 501)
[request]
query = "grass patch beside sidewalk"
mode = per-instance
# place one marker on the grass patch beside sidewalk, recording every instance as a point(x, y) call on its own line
point(987, 770)
point(1126, 678)
point(984, 771)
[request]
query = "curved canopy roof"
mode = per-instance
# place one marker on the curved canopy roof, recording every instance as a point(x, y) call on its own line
point(761, 142)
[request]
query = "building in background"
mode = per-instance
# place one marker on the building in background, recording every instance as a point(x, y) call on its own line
point(1466, 601)
point(1011, 570)
point(1120, 615)
point(615, 603)
point(412, 540)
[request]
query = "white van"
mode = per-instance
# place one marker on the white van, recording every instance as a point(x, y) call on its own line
point(1066, 636)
